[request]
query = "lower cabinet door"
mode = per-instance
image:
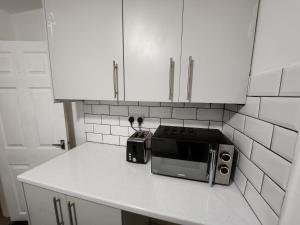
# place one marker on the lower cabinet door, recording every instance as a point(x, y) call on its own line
point(82, 212)
point(45, 207)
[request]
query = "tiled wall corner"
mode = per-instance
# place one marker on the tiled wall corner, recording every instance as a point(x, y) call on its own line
point(107, 121)
point(264, 131)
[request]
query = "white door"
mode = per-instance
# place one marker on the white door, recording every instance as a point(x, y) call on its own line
point(45, 207)
point(85, 39)
point(89, 213)
point(217, 48)
point(30, 122)
point(152, 37)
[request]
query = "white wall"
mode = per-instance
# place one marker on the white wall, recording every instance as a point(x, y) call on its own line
point(29, 25)
point(6, 29)
point(278, 33)
point(278, 46)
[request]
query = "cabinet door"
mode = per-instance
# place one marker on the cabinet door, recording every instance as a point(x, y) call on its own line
point(85, 39)
point(152, 36)
point(217, 49)
point(83, 212)
point(45, 207)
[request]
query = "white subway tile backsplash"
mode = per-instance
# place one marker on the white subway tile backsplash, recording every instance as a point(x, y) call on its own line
point(240, 180)
point(231, 107)
point(273, 165)
point(173, 104)
point(273, 194)
point(149, 103)
point(102, 129)
point(243, 143)
point(90, 102)
point(251, 108)
point(259, 130)
point(196, 123)
point(123, 140)
point(87, 108)
point(125, 123)
point(284, 142)
point(281, 111)
point(110, 139)
point(228, 131)
point(262, 210)
point(89, 127)
point(236, 120)
point(251, 171)
point(90, 118)
point(100, 109)
point(109, 102)
point(151, 122)
point(94, 137)
point(290, 81)
point(265, 84)
point(216, 125)
point(139, 110)
point(184, 113)
point(110, 120)
point(121, 131)
point(226, 116)
point(128, 103)
point(210, 114)
point(161, 112)
point(172, 122)
point(217, 106)
point(118, 110)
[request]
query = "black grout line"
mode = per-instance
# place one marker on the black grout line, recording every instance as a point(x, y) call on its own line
point(262, 145)
point(280, 84)
point(264, 121)
point(251, 205)
point(261, 169)
point(259, 108)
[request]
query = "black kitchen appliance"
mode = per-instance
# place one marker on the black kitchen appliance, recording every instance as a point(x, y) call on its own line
point(138, 147)
point(192, 153)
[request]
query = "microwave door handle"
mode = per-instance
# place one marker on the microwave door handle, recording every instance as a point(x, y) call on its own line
point(212, 166)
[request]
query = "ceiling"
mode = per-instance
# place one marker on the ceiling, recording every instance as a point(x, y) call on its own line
point(16, 6)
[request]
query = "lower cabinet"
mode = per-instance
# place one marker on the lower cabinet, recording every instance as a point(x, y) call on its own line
point(47, 207)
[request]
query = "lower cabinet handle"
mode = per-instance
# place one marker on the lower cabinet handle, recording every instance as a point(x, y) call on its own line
point(61, 220)
point(70, 207)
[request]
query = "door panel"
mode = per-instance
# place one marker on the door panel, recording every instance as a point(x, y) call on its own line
point(10, 119)
point(152, 35)
point(17, 187)
point(84, 40)
point(89, 213)
point(29, 120)
point(219, 35)
point(41, 206)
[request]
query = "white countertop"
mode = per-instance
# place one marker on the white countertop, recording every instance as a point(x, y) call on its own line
point(100, 173)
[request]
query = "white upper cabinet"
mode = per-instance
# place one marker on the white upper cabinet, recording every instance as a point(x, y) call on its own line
point(152, 48)
point(217, 50)
point(85, 45)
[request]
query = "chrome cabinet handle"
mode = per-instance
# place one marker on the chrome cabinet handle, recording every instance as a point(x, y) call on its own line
point(171, 79)
point(190, 78)
point(115, 79)
point(212, 166)
point(70, 207)
point(61, 220)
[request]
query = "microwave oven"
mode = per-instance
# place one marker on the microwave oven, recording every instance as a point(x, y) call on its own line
point(192, 153)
